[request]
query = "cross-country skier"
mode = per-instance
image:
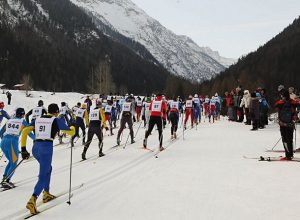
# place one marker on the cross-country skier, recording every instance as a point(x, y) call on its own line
point(126, 118)
point(158, 108)
point(36, 112)
point(189, 111)
point(10, 134)
point(97, 120)
point(174, 117)
point(197, 109)
point(46, 127)
point(3, 113)
point(81, 121)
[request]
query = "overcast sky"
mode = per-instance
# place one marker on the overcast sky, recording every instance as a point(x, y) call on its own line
point(232, 27)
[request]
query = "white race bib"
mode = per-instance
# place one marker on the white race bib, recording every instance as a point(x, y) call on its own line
point(127, 107)
point(95, 115)
point(175, 105)
point(63, 110)
point(37, 112)
point(108, 108)
point(196, 100)
point(189, 104)
point(43, 128)
point(13, 126)
point(147, 106)
point(139, 103)
point(156, 106)
point(79, 112)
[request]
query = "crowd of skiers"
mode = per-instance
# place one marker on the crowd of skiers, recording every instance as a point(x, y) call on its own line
point(103, 112)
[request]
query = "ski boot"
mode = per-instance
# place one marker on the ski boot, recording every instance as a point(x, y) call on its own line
point(31, 205)
point(47, 197)
point(145, 143)
point(83, 153)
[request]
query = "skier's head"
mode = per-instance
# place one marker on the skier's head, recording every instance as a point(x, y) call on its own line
point(98, 104)
point(159, 96)
point(78, 104)
point(63, 104)
point(1, 105)
point(53, 109)
point(40, 103)
point(291, 90)
point(83, 106)
point(20, 112)
point(190, 96)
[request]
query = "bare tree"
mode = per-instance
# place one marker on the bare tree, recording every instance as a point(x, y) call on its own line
point(26, 80)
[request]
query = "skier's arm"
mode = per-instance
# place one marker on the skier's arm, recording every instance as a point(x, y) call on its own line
point(24, 134)
point(64, 128)
point(86, 118)
point(31, 134)
point(103, 118)
point(27, 115)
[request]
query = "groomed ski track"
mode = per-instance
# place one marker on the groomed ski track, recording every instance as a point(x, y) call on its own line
point(203, 176)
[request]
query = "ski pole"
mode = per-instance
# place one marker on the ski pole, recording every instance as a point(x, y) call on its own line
point(11, 173)
point(138, 129)
point(276, 143)
point(70, 183)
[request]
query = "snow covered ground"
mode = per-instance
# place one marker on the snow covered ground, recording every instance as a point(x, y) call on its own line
point(203, 176)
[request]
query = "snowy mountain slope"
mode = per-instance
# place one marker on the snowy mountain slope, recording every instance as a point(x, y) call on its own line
point(179, 54)
point(203, 176)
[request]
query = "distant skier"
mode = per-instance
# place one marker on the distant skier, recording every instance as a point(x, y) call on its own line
point(126, 118)
point(81, 121)
point(158, 108)
point(189, 111)
point(8, 95)
point(174, 117)
point(97, 120)
point(36, 112)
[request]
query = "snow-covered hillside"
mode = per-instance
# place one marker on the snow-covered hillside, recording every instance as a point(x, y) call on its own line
point(203, 176)
point(179, 54)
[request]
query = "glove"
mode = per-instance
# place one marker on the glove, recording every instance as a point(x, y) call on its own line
point(106, 128)
point(24, 153)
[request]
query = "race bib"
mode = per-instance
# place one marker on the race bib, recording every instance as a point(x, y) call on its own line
point(108, 108)
point(37, 112)
point(156, 106)
point(80, 112)
point(189, 104)
point(139, 103)
point(147, 106)
point(95, 115)
point(43, 128)
point(175, 105)
point(62, 110)
point(126, 106)
point(13, 126)
point(196, 100)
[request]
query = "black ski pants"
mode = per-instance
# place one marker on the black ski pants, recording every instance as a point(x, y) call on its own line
point(287, 140)
point(155, 120)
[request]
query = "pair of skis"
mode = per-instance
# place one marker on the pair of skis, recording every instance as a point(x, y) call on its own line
point(61, 197)
point(270, 159)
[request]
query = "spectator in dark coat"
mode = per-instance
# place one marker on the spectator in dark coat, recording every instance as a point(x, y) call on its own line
point(254, 111)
